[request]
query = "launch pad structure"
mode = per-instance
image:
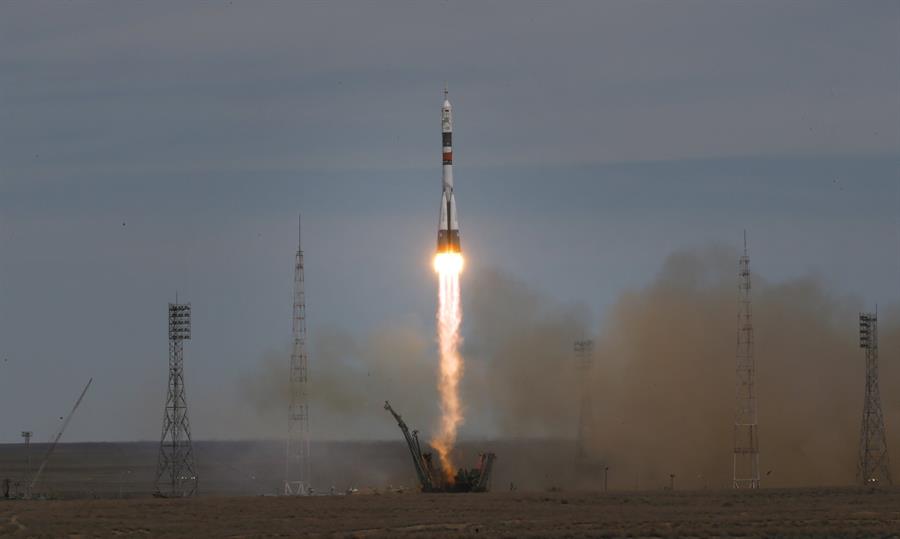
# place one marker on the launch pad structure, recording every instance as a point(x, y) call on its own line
point(430, 476)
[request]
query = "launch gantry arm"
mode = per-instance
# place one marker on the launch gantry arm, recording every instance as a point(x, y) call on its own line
point(414, 450)
point(485, 472)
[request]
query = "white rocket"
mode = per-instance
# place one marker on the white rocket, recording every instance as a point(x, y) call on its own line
point(448, 226)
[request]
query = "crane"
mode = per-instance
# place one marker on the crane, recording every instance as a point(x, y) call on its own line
point(59, 433)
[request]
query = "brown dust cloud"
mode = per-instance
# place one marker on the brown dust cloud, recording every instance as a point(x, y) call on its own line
point(662, 380)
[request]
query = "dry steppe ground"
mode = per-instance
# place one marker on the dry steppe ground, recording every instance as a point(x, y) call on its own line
point(765, 513)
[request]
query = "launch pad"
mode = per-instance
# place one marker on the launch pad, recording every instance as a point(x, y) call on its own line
point(431, 478)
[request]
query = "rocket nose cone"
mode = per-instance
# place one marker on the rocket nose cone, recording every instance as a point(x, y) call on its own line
point(446, 104)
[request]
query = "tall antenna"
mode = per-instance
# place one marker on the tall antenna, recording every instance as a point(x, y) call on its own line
point(874, 467)
point(176, 474)
point(746, 437)
point(297, 461)
point(584, 352)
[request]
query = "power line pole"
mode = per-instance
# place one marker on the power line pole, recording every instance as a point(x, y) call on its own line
point(746, 437)
point(584, 351)
point(297, 458)
point(176, 474)
point(874, 467)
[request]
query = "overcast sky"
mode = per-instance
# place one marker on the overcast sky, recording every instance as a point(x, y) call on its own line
point(152, 147)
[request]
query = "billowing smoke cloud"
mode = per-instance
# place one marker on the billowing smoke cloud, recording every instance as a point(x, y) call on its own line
point(353, 376)
point(519, 360)
point(663, 379)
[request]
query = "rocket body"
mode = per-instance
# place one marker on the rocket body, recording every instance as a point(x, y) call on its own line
point(448, 225)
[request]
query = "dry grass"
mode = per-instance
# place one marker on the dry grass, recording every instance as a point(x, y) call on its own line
point(767, 513)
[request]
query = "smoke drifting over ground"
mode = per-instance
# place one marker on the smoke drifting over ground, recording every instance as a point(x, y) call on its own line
point(663, 379)
point(352, 377)
point(520, 365)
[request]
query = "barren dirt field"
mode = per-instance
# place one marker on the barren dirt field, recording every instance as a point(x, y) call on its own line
point(767, 513)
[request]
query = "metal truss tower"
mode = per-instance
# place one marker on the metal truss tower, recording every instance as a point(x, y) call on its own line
point(26, 435)
point(874, 467)
point(746, 436)
point(584, 352)
point(297, 458)
point(176, 474)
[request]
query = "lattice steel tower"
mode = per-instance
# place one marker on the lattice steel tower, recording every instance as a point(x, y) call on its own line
point(873, 467)
point(297, 461)
point(584, 351)
point(746, 437)
point(176, 473)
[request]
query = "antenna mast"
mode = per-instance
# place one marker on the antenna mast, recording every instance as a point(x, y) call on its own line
point(297, 458)
point(746, 437)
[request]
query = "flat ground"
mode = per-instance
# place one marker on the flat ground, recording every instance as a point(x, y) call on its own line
point(766, 513)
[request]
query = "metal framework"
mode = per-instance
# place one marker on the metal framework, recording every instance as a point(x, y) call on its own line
point(297, 455)
point(432, 479)
point(874, 467)
point(746, 436)
point(176, 474)
point(584, 352)
point(26, 436)
point(56, 438)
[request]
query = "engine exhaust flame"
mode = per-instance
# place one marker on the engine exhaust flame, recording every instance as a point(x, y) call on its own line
point(449, 317)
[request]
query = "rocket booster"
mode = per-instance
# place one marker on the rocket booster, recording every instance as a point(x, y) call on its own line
point(448, 226)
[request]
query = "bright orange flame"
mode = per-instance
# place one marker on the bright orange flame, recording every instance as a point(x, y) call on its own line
point(449, 318)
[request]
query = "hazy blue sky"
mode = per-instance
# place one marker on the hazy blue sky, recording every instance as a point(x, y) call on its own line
point(154, 147)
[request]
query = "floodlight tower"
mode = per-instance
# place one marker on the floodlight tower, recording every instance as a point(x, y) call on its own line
point(874, 467)
point(176, 474)
point(297, 458)
point(584, 351)
point(26, 435)
point(746, 437)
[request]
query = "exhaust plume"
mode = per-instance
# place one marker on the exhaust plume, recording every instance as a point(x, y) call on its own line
point(449, 318)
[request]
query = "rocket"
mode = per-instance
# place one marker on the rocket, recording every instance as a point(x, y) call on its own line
point(448, 225)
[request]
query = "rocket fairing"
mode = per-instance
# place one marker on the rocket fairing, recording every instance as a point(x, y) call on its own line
point(448, 225)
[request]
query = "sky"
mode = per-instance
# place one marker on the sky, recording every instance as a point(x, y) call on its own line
point(148, 149)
